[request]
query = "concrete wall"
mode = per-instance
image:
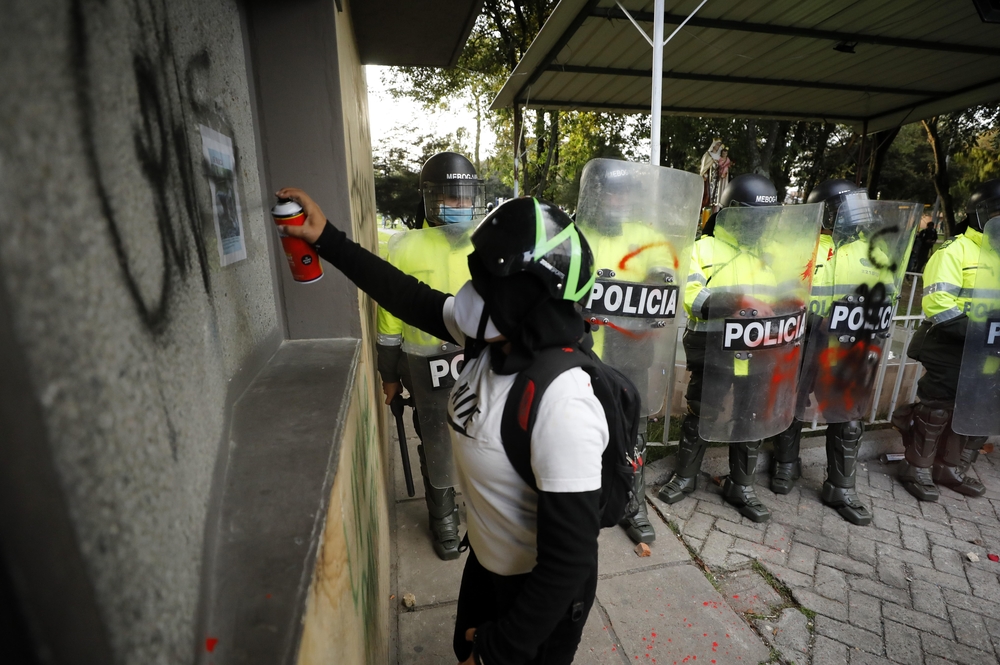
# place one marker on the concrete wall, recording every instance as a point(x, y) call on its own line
point(130, 332)
point(125, 342)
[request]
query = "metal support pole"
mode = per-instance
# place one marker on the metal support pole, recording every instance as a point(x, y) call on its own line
point(657, 92)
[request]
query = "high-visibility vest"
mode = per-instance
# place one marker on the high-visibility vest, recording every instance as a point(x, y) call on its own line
point(434, 259)
point(633, 255)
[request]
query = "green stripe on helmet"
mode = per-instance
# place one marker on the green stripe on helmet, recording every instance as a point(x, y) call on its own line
point(544, 245)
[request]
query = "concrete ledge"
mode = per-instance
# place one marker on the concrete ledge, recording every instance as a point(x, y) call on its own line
point(284, 445)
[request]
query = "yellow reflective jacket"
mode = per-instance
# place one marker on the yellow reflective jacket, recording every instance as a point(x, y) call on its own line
point(839, 271)
point(633, 255)
point(434, 259)
point(950, 276)
point(719, 261)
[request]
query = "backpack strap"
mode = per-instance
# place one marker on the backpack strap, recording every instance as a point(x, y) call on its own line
point(521, 408)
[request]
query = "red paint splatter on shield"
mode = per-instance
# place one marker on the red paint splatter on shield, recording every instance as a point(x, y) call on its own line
point(210, 643)
point(631, 255)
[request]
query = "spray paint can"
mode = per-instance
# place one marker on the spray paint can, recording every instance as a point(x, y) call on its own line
point(302, 258)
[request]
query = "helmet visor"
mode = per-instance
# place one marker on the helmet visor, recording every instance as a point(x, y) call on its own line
point(454, 202)
point(849, 213)
point(983, 212)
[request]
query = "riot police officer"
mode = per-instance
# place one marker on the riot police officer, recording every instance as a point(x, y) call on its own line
point(853, 275)
point(935, 453)
point(452, 197)
point(637, 220)
point(718, 262)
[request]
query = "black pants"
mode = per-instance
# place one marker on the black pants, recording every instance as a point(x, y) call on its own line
point(941, 355)
point(694, 350)
point(486, 596)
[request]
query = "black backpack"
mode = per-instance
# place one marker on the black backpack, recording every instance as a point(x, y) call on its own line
point(619, 397)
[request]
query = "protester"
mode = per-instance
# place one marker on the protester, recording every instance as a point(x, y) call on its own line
point(922, 247)
point(531, 574)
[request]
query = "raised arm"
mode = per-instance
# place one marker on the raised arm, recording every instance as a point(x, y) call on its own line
point(402, 295)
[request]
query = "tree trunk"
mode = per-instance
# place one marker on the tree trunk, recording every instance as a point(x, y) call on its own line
point(553, 140)
point(753, 150)
point(941, 180)
point(816, 172)
point(518, 168)
point(881, 142)
point(777, 148)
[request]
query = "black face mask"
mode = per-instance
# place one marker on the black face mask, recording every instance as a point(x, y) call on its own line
point(525, 313)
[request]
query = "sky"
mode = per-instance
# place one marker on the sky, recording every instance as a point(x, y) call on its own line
point(386, 113)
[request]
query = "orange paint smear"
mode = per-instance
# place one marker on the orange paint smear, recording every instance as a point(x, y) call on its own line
point(808, 270)
point(628, 333)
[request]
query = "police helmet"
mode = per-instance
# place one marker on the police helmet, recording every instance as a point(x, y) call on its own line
point(451, 190)
point(613, 188)
point(749, 189)
point(534, 236)
point(841, 196)
point(984, 204)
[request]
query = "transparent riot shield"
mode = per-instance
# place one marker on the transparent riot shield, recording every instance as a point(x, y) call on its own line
point(977, 402)
point(759, 285)
point(640, 223)
point(858, 289)
point(437, 256)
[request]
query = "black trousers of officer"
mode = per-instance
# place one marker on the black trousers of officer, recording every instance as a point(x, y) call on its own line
point(939, 349)
point(695, 345)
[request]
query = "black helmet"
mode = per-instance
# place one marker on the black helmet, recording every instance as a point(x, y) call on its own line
point(451, 190)
point(984, 204)
point(533, 236)
point(749, 189)
point(835, 193)
point(612, 187)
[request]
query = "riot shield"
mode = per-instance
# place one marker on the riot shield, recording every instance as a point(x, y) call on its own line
point(977, 401)
point(759, 285)
point(640, 223)
point(858, 289)
point(437, 256)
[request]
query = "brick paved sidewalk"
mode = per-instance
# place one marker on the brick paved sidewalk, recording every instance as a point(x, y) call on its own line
point(902, 590)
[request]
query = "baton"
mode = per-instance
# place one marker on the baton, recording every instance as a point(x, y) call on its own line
point(396, 406)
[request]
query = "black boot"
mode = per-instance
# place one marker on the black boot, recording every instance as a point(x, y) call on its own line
point(842, 443)
point(638, 527)
point(786, 466)
point(921, 427)
point(442, 514)
point(690, 453)
point(738, 488)
point(954, 458)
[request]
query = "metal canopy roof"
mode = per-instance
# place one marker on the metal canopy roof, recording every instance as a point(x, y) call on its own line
point(766, 58)
point(424, 33)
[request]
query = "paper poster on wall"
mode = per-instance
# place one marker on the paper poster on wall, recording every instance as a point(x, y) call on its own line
point(221, 167)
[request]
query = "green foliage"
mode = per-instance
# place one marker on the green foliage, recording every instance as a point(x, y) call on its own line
point(906, 175)
point(553, 146)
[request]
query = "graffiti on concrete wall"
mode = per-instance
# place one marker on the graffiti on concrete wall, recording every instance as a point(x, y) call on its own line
point(138, 101)
point(363, 545)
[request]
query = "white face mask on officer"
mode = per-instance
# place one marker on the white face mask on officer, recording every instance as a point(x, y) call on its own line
point(468, 310)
